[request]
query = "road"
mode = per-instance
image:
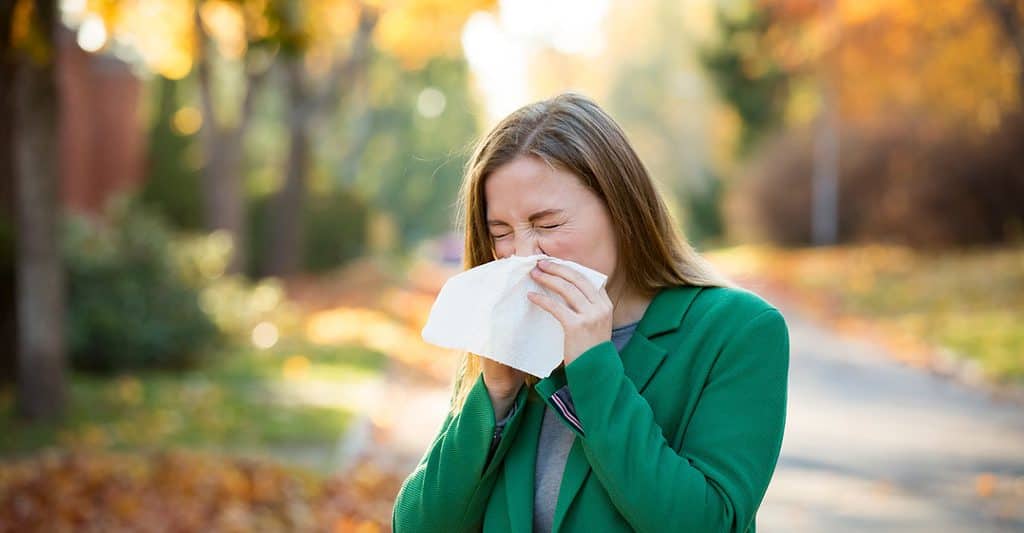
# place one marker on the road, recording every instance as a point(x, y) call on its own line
point(873, 445)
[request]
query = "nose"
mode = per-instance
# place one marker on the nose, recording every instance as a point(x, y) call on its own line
point(526, 244)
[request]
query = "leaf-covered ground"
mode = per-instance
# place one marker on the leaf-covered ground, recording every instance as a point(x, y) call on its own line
point(226, 448)
point(184, 491)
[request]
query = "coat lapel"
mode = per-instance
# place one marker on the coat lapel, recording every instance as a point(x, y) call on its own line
point(641, 357)
point(520, 464)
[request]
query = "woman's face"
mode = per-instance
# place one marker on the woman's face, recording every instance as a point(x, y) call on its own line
point(533, 209)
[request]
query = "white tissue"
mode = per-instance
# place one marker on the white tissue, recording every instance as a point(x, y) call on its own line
point(485, 310)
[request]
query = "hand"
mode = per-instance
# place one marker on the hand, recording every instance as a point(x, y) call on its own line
point(502, 381)
point(586, 313)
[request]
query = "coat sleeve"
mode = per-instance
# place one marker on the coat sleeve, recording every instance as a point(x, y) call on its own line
point(717, 480)
point(449, 488)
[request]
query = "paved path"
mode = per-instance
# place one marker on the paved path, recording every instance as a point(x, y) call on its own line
point(872, 445)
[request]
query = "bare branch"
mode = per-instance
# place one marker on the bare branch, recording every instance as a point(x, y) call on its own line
point(346, 69)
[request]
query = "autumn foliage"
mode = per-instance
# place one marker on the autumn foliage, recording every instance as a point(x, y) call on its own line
point(186, 491)
point(928, 98)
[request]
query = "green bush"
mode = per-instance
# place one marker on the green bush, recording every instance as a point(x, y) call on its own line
point(334, 231)
point(129, 306)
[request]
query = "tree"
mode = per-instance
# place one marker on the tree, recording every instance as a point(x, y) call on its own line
point(319, 46)
point(222, 173)
point(871, 66)
point(306, 98)
point(41, 389)
point(409, 30)
point(749, 80)
point(8, 307)
point(901, 56)
point(415, 136)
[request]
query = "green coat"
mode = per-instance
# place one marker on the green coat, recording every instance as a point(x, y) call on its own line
point(682, 430)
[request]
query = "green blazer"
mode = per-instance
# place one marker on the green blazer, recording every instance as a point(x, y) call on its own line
point(682, 430)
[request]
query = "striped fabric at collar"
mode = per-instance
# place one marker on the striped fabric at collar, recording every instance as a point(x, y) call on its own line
point(563, 401)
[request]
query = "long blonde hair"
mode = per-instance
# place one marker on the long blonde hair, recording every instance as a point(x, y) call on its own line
point(570, 131)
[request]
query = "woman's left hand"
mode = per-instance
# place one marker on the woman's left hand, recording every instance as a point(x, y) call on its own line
point(587, 319)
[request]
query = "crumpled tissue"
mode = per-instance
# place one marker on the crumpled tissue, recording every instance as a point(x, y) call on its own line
point(485, 310)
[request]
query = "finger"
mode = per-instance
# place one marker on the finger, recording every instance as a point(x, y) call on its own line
point(586, 288)
point(551, 305)
point(571, 293)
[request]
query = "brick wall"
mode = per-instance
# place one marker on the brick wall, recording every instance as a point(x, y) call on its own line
point(102, 133)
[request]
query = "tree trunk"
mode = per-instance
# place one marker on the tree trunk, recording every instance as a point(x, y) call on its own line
point(223, 193)
point(825, 208)
point(285, 252)
point(8, 307)
point(222, 177)
point(825, 179)
point(41, 391)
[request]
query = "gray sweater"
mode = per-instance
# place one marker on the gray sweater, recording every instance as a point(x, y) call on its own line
point(553, 449)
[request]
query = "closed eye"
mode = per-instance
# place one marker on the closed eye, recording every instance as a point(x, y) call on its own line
point(553, 226)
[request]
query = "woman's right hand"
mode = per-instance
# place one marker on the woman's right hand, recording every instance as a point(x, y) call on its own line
point(502, 383)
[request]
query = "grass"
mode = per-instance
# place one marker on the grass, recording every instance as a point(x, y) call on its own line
point(969, 302)
point(246, 399)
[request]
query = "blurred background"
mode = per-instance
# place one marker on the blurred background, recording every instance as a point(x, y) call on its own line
point(223, 223)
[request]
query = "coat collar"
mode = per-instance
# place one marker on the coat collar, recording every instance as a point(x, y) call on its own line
point(641, 357)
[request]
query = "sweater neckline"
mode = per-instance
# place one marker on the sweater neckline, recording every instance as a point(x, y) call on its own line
point(626, 326)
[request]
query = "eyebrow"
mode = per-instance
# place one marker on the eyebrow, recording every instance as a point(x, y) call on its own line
point(538, 214)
